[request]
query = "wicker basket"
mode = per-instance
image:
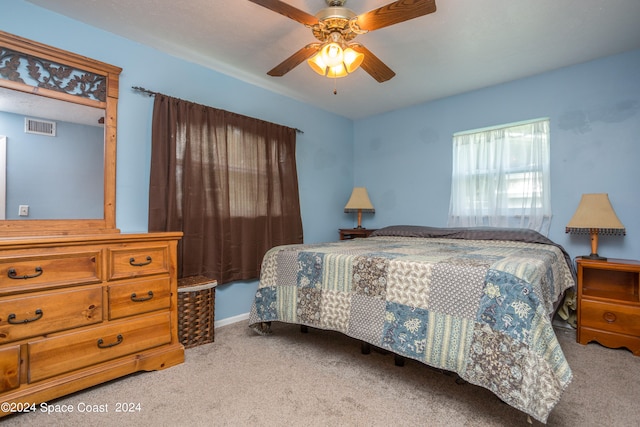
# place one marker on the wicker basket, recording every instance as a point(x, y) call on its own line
point(196, 304)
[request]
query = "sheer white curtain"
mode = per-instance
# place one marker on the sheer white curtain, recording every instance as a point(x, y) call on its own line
point(501, 177)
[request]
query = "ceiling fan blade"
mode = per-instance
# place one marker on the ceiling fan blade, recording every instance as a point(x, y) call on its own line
point(294, 60)
point(394, 13)
point(373, 65)
point(287, 10)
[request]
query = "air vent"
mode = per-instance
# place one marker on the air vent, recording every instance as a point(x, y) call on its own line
point(39, 127)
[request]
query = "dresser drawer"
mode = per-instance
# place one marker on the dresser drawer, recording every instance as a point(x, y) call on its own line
point(64, 353)
point(9, 368)
point(140, 296)
point(619, 318)
point(47, 312)
point(24, 273)
point(138, 261)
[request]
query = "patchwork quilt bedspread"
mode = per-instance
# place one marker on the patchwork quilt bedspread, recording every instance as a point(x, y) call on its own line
point(480, 308)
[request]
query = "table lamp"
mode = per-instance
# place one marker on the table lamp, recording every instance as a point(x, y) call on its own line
point(359, 202)
point(595, 216)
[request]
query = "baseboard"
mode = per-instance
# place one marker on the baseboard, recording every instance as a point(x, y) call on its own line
point(230, 320)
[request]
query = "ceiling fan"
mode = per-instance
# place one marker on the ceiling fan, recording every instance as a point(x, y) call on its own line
point(336, 55)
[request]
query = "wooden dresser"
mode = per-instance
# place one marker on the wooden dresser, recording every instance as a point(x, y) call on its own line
point(76, 311)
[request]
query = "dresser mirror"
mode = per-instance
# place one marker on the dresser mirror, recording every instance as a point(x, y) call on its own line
point(58, 118)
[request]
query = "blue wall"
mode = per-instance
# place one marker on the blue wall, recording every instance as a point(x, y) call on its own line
point(324, 164)
point(404, 157)
point(57, 177)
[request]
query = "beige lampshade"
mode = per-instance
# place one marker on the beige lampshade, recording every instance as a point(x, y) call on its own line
point(359, 200)
point(595, 214)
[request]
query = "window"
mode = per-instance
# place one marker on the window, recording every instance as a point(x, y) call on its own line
point(228, 182)
point(253, 185)
point(501, 177)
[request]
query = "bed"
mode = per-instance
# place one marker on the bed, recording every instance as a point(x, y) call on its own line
point(478, 302)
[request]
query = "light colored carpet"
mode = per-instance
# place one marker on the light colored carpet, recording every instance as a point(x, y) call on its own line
point(322, 379)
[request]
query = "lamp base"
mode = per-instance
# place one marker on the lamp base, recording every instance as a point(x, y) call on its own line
point(594, 256)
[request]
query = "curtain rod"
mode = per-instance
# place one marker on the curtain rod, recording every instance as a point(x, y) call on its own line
point(152, 93)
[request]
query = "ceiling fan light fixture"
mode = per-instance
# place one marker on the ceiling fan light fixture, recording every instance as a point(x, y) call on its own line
point(337, 71)
point(352, 59)
point(317, 64)
point(325, 64)
point(332, 54)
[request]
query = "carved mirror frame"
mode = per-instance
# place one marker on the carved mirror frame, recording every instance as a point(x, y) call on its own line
point(74, 78)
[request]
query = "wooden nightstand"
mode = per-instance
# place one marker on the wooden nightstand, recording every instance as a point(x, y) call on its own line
point(609, 303)
point(352, 233)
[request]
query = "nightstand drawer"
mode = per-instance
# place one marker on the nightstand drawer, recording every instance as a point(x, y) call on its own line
point(47, 312)
point(619, 318)
point(53, 356)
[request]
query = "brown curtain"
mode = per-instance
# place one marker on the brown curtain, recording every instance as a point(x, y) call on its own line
point(228, 182)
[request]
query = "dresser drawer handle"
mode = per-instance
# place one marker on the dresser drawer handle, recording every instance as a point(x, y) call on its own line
point(133, 262)
point(609, 317)
point(13, 275)
point(101, 343)
point(135, 298)
point(12, 318)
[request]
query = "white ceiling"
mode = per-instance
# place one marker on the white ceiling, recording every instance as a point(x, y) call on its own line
point(464, 45)
point(41, 107)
